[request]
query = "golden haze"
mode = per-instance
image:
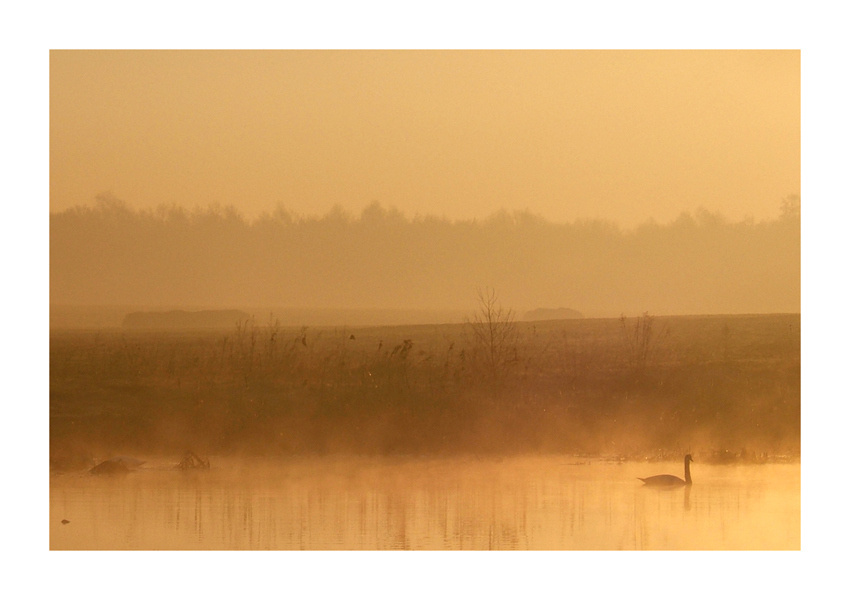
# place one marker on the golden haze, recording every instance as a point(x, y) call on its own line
point(619, 135)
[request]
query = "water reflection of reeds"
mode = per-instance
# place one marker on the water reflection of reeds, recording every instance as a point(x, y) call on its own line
point(476, 505)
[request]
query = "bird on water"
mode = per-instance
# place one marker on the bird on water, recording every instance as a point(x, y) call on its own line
point(671, 480)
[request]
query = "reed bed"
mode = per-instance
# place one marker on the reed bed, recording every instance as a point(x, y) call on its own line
point(647, 386)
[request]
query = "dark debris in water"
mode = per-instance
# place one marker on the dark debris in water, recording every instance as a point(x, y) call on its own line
point(116, 465)
point(193, 461)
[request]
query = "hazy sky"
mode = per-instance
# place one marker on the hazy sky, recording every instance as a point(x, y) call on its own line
point(621, 135)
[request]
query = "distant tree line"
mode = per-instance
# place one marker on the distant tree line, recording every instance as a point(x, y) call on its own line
point(700, 263)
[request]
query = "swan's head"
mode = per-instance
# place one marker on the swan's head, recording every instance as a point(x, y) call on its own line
point(688, 458)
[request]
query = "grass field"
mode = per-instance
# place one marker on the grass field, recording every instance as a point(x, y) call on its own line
point(726, 386)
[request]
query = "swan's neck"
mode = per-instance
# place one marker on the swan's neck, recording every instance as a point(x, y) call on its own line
point(688, 472)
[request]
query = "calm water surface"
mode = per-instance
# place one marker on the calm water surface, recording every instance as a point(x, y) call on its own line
point(539, 503)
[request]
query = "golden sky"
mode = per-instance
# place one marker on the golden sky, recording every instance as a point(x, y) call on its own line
point(620, 135)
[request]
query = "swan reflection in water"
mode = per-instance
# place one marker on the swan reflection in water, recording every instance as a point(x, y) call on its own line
point(671, 480)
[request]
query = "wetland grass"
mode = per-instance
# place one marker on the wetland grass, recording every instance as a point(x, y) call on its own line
point(727, 384)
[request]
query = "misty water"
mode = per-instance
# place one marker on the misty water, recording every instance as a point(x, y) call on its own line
point(527, 503)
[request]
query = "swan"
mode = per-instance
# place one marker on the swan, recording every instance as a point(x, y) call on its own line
point(671, 480)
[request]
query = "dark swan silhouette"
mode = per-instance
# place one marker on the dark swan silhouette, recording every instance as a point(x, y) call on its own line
point(671, 480)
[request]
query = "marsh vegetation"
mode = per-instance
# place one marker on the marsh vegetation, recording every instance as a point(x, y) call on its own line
point(726, 387)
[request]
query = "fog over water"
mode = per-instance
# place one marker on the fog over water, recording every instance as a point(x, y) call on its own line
point(392, 300)
point(523, 503)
